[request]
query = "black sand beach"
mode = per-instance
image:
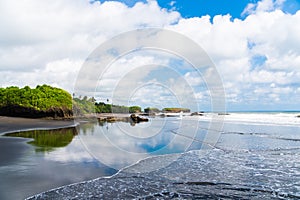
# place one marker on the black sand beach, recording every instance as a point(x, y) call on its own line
point(251, 162)
point(25, 170)
point(13, 124)
point(13, 148)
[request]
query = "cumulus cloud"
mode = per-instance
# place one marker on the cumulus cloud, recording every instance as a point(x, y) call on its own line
point(234, 43)
point(35, 33)
point(58, 73)
point(47, 43)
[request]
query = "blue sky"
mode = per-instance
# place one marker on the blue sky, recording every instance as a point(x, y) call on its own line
point(254, 45)
point(258, 60)
point(198, 8)
point(207, 7)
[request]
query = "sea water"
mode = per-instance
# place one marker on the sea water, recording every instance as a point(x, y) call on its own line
point(236, 156)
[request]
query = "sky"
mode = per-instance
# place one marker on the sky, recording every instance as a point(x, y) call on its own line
point(254, 45)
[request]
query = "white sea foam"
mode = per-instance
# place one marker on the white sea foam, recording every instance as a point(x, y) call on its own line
point(280, 119)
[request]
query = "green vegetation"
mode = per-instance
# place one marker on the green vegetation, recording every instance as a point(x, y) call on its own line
point(151, 110)
point(125, 109)
point(47, 140)
point(103, 108)
point(88, 105)
point(83, 106)
point(175, 110)
point(108, 108)
point(40, 98)
point(47, 101)
point(119, 109)
point(42, 101)
point(135, 109)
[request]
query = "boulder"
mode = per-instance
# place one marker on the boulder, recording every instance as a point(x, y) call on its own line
point(138, 119)
point(197, 114)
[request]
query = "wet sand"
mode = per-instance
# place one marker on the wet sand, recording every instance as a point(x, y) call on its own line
point(13, 124)
point(13, 148)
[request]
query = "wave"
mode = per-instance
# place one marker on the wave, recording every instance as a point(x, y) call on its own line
point(276, 119)
point(265, 135)
point(211, 174)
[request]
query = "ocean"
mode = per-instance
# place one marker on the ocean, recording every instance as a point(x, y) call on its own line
point(240, 155)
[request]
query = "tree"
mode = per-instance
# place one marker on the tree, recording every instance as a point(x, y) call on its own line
point(42, 99)
point(135, 109)
point(151, 110)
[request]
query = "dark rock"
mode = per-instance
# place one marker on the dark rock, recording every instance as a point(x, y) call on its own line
point(112, 119)
point(197, 114)
point(138, 119)
point(223, 113)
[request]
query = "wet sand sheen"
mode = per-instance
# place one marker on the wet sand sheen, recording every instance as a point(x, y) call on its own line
point(25, 170)
point(12, 124)
point(12, 148)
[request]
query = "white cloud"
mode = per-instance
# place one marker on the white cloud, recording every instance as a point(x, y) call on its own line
point(263, 6)
point(172, 3)
point(46, 43)
point(58, 73)
point(36, 33)
point(193, 78)
point(222, 38)
point(231, 43)
point(264, 76)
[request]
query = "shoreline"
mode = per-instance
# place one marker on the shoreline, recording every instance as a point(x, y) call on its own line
point(16, 124)
point(93, 187)
point(14, 147)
